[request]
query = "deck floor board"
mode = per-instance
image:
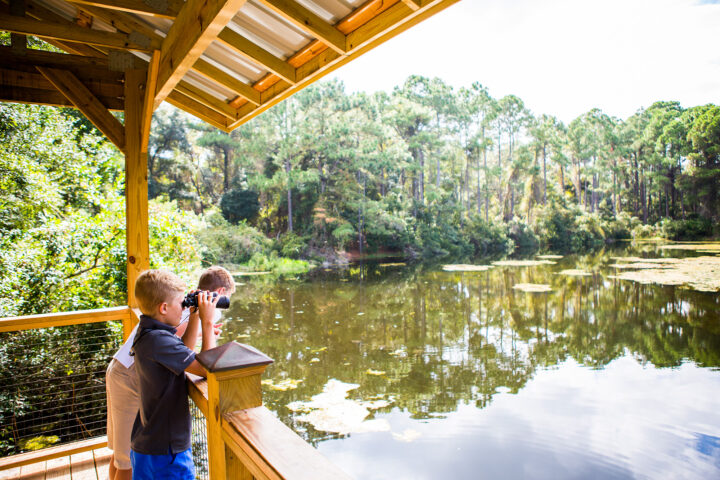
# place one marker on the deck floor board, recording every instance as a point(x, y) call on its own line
point(92, 465)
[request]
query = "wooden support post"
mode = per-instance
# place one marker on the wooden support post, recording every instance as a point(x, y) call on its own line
point(233, 384)
point(136, 184)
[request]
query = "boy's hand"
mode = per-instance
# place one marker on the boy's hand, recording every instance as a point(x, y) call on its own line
point(206, 307)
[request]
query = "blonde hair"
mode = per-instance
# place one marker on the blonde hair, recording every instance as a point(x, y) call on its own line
point(216, 277)
point(154, 287)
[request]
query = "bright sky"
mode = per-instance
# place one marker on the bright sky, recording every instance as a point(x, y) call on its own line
point(561, 57)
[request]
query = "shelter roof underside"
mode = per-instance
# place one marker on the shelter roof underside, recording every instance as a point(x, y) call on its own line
point(224, 61)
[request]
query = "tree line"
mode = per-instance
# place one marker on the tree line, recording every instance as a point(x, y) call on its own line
point(412, 169)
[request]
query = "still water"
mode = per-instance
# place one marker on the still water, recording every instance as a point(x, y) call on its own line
point(398, 371)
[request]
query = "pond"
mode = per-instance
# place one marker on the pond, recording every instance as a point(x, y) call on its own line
point(398, 371)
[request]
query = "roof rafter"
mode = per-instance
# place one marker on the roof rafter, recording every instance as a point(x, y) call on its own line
point(198, 23)
point(209, 115)
point(206, 99)
point(228, 81)
point(87, 103)
point(308, 21)
point(72, 33)
point(167, 9)
point(257, 54)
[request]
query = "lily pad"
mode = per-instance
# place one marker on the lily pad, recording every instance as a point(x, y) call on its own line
point(282, 385)
point(331, 411)
point(575, 273)
point(696, 273)
point(697, 247)
point(532, 287)
point(523, 263)
point(370, 371)
point(397, 264)
point(466, 268)
point(550, 257)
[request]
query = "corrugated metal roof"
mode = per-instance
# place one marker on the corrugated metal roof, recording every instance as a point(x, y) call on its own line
point(261, 48)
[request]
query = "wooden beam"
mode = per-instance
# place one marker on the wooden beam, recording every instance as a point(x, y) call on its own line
point(328, 60)
point(168, 9)
point(413, 5)
point(87, 103)
point(136, 184)
point(74, 33)
point(33, 79)
point(196, 108)
point(206, 99)
point(123, 22)
point(49, 453)
point(47, 320)
point(49, 97)
point(92, 71)
point(149, 100)
point(18, 42)
point(308, 21)
point(228, 81)
point(196, 26)
point(258, 55)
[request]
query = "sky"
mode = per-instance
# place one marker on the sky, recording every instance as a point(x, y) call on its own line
point(561, 57)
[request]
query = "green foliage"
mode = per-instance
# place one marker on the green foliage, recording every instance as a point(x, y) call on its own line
point(239, 204)
point(569, 229)
point(522, 236)
point(693, 228)
point(282, 267)
point(487, 238)
point(226, 244)
point(291, 245)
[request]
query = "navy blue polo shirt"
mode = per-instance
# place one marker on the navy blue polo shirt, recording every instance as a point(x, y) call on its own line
point(163, 422)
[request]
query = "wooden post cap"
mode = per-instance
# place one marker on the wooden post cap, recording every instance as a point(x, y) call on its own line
point(232, 356)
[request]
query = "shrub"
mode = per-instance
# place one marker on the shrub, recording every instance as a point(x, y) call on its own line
point(693, 228)
point(487, 238)
point(292, 245)
point(522, 236)
point(230, 244)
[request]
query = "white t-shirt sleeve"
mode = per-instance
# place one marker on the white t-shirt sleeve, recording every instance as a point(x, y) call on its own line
point(123, 355)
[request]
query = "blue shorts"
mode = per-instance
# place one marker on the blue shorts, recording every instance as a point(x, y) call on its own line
point(170, 466)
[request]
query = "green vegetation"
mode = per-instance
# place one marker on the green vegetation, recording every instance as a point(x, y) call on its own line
point(427, 171)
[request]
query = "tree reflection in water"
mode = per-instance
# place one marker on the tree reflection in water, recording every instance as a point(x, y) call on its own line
point(449, 338)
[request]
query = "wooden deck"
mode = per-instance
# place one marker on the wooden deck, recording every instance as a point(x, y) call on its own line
point(90, 465)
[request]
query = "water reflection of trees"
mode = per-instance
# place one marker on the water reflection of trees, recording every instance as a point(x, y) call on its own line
point(448, 338)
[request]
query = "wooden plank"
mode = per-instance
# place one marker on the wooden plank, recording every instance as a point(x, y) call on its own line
point(47, 320)
point(82, 466)
point(10, 474)
point(136, 184)
point(47, 97)
point(58, 469)
point(33, 471)
point(87, 103)
point(196, 26)
point(73, 33)
point(196, 108)
point(212, 72)
point(308, 21)
point(215, 444)
point(149, 100)
point(102, 458)
point(22, 459)
point(154, 9)
point(275, 449)
point(206, 99)
point(363, 14)
point(256, 54)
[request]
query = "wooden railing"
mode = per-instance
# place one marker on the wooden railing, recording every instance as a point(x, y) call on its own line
point(245, 440)
point(15, 324)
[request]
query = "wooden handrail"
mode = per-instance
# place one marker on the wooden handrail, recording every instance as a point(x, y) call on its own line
point(51, 452)
point(245, 439)
point(30, 322)
point(270, 450)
